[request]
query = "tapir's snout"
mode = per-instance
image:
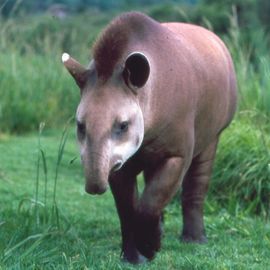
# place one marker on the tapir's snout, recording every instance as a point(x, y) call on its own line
point(99, 187)
point(98, 173)
point(95, 189)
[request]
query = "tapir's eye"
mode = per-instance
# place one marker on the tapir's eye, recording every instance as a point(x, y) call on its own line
point(123, 126)
point(81, 129)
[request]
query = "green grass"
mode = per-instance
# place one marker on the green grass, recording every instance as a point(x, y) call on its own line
point(34, 84)
point(88, 234)
point(242, 169)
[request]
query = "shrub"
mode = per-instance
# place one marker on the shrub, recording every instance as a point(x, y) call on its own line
point(34, 85)
point(34, 89)
point(241, 177)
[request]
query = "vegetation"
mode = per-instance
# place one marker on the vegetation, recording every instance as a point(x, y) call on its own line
point(35, 85)
point(84, 232)
point(15, 7)
point(46, 220)
point(31, 70)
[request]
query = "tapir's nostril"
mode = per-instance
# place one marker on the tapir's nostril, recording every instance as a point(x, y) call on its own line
point(117, 166)
point(95, 189)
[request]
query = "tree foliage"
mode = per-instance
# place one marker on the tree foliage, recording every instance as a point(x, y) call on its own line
point(251, 13)
point(31, 6)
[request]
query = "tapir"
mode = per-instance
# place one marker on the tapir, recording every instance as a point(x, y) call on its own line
point(154, 100)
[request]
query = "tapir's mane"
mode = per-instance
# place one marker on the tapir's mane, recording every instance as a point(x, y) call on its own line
point(113, 41)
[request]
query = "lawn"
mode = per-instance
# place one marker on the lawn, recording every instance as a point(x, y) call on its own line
point(78, 231)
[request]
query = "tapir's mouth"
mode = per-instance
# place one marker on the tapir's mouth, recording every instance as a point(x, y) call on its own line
point(117, 166)
point(95, 189)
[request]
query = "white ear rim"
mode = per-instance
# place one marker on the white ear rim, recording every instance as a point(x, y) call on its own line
point(137, 52)
point(126, 76)
point(65, 57)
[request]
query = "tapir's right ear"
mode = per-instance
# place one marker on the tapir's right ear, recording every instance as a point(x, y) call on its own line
point(136, 70)
point(78, 72)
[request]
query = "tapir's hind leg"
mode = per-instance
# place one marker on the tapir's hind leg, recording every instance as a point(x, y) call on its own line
point(195, 186)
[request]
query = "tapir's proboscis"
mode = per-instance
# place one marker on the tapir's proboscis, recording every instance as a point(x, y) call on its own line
point(154, 99)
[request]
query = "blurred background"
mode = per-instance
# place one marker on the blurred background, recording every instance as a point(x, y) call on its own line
point(35, 87)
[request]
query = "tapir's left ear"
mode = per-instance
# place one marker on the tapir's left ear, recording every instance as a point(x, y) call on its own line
point(78, 72)
point(136, 70)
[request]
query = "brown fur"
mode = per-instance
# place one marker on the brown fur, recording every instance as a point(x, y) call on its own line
point(113, 41)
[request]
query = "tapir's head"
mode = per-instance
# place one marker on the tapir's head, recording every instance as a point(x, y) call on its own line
point(110, 123)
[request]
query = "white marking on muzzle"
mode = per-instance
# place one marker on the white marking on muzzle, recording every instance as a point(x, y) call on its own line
point(125, 151)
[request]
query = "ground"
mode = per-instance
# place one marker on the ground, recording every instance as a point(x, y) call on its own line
point(82, 231)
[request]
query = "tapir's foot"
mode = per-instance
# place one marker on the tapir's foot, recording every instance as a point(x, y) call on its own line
point(133, 257)
point(193, 230)
point(147, 235)
point(194, 238)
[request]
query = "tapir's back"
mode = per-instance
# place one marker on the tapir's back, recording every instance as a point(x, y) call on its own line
point(207, 78)
point(210, 57)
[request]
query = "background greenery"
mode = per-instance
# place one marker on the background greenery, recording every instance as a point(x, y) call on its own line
point(31, 46)
point(35, 88)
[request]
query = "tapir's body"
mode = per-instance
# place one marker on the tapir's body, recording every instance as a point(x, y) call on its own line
point(154, 99)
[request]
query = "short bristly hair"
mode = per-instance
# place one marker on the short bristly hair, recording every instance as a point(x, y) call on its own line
point(114, 39)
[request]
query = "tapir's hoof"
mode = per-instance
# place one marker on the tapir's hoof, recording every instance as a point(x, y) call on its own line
point(134, 258)
point(147, 236)
point(147, 250)
point(197, 240)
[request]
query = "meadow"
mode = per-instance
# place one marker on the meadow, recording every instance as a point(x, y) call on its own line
point(73, 230)
point(46, 219)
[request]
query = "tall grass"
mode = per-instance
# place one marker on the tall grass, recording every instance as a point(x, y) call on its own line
point(34, 89)
point(34, 86)
point(42, 215)
point(242, 169)
point(252, 63)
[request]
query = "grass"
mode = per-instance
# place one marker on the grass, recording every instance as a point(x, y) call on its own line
point(34, 85)
point(87, 234)
point(242, 170)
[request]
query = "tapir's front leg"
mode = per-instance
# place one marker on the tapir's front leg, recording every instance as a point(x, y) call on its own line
point(162, 182)
point(124, 189)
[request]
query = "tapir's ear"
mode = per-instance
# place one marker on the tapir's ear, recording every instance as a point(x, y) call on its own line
point(136, 70)
point(78, 72)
